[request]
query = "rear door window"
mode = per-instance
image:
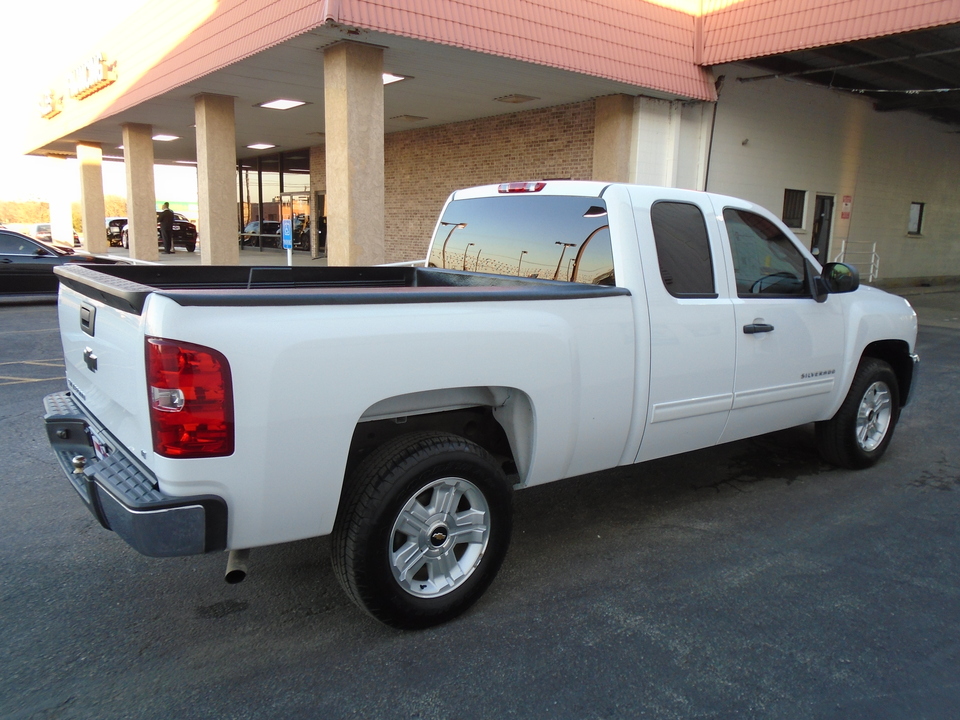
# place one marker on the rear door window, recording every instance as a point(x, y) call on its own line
point(683, 249)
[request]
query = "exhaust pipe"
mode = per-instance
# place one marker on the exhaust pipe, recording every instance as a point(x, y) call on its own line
point(236, 566)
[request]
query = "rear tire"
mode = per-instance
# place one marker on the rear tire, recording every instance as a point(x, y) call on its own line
point(190, 246)
point(423, 530)
point(858, 435)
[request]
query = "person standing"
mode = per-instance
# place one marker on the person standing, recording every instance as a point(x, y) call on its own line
point(165, 220)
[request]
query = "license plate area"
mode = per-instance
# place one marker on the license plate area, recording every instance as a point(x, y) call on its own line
point(100, 447)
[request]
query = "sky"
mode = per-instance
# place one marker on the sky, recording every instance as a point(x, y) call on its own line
point(41, 49)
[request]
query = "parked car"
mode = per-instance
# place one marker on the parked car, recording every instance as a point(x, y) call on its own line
point(115, 227)
point(26, 264)
point(43, 233)
point(266, 236)
point(184, 233)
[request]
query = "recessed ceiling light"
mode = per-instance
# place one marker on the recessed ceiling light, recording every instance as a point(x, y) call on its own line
point(261, 146)
point(389, 78)
point(515, 98)
point(281, 104)
point(166, 138)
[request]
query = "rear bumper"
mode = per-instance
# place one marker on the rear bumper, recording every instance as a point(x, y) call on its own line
point(123, 495)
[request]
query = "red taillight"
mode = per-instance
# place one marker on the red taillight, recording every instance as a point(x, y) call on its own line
point(518, 187)
point(191, 400)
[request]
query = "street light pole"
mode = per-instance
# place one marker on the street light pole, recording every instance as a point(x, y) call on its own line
point(443, 248)
point(522, 253)
point(556, 273)
point(465, 255)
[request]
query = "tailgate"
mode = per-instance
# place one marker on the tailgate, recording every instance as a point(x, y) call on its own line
point(103, 348)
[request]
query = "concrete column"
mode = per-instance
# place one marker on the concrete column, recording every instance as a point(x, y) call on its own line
point(61, 191)
point(141, 195)
point(92, 206)
point(612, 138)
point(353, 106)
point(658, 141)
point(217, 179)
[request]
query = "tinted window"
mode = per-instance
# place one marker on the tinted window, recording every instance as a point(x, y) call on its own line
point(542, 236)
point(764, 259)
point(11, 244)
point(683, 249)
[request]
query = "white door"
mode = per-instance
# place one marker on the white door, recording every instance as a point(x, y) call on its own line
point(789, 346)
point(692, 339)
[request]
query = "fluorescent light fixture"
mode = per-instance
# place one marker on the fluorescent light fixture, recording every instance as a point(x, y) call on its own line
point(409, 118)
point(281, 104)
point(261, 146)
point(389, 78)
point(185, 162)
point(165, 138)
point(113, 157)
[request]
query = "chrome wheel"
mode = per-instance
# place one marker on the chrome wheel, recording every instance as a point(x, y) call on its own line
point(873, 416)
point(439, 537)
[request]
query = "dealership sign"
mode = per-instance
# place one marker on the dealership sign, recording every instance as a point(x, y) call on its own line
point(90, 76)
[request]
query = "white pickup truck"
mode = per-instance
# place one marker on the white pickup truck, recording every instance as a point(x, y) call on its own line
point(555, 329)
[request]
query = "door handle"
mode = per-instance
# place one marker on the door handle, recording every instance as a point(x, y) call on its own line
point(755, 328)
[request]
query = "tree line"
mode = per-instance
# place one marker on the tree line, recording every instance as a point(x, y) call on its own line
point(34, 211)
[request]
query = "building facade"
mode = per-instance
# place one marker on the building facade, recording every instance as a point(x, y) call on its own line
point(843, 117)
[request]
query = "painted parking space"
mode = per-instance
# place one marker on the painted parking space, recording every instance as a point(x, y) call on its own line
point(17, 372)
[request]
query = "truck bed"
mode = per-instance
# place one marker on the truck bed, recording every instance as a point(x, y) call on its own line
point(126, 287)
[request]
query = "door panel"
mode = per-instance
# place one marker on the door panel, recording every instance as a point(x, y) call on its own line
point(789, 346)
point(692, 340)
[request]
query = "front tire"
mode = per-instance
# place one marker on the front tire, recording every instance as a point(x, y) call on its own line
point(858, 435)
point(423, 530)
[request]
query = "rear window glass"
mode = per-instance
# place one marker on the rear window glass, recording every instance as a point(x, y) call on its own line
point(540, 236)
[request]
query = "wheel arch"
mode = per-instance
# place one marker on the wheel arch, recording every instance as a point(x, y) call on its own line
point(499, 419)
point(896, 353)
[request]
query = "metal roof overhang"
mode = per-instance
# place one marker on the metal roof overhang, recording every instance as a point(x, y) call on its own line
point(446, 85)
point(916, 71)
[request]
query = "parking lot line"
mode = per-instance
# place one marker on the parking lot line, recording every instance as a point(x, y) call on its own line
point(18, 379)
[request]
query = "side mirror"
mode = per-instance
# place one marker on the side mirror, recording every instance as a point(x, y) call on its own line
point(840, 277)
point(42, 252)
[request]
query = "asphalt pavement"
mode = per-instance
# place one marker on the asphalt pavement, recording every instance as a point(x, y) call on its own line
point(748, 580)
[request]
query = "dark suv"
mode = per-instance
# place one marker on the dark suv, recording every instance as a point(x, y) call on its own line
point(184, 233)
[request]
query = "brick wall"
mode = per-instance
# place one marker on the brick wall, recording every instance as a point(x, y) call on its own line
point(422, 167)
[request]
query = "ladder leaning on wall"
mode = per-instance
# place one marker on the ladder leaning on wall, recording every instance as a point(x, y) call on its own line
point(863, 255)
